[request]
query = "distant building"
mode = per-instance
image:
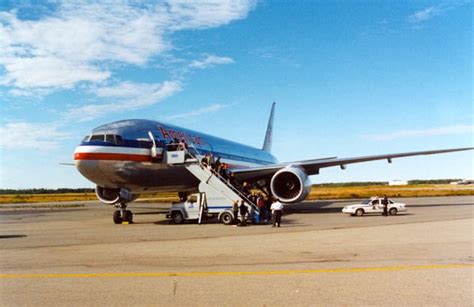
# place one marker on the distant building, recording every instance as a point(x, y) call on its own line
point(398, 182)
point(465, 181)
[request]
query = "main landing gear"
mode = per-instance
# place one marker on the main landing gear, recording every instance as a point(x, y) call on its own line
point(122, 215)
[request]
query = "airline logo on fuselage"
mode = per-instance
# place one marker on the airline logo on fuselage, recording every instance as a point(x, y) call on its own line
point(173, 134)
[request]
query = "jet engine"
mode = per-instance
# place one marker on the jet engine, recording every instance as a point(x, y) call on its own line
point(290, 184)
point(112, 196)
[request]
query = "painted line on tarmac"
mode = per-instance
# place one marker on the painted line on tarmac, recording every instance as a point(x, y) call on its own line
point(237, 273)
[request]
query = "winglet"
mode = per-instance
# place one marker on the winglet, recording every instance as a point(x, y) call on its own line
point(267, 143)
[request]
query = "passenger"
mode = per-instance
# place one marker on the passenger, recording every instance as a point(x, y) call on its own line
point(206, 161)
point(210, 161)
point(230, 178)
point(218, 165)
point(235, 211)
point(243, 213)
point(268, 203)
point(261, 207)
point(246, 189)
point(253, 198)
point(277, 210)
point(182, 145)
point(171, 146)
point(385, 205)
point(224, 174)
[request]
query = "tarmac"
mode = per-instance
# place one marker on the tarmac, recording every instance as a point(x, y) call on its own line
point(74, 255)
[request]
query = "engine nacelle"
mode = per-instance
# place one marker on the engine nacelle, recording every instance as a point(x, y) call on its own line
point(113, 196)
point(290, 184)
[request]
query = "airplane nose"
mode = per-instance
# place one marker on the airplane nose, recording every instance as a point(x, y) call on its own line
point(88, 167)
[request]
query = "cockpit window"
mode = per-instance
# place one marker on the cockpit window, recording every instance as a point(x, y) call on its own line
point(118, 140)
point(97, 137)
point(110, 138)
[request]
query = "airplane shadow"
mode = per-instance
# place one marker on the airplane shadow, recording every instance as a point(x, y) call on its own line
point(150, 212)
point(311, 207)
point(12, 236)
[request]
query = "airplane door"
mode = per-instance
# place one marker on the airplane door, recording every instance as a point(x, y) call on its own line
point(157, 146)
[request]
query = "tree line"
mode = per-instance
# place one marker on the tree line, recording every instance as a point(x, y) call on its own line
point(45, 191)
point(332, 184)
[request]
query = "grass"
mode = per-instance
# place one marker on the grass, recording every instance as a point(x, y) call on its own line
point(420, 190)
point(317, 192)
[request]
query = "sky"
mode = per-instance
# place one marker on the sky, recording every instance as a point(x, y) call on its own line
point(350, 78)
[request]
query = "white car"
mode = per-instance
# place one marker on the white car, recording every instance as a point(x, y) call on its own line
point(374, 205)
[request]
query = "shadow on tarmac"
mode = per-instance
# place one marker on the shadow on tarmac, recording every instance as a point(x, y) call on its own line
point(12, 236)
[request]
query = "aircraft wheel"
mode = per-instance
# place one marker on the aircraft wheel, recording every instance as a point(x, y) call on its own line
point(226, 218)
point(177, 217)
point(128, 216)
point(360, 212)
point(393, 211)
point(117, 217)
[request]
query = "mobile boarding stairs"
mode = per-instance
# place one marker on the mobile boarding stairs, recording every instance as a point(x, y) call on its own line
point(211, 182)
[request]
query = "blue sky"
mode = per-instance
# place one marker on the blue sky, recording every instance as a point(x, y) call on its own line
point(350, 78)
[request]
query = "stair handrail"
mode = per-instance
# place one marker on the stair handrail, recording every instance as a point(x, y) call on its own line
point(222, 179)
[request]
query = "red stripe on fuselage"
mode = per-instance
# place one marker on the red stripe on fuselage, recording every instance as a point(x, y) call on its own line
point(128, 157)
point(111, 156)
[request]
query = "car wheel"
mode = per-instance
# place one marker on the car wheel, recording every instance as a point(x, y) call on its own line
point(177, 217)
point(226, 218)
point(393, 211)
point(359, 212)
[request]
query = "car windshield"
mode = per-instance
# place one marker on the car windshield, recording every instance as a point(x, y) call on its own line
point(366, 202)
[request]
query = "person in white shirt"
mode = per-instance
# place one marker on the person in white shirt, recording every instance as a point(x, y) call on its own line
point(277, 210)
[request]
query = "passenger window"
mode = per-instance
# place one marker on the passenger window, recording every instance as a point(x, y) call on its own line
point(97, 137)
point(375, 202)
point(110, 138)
point(118, 140)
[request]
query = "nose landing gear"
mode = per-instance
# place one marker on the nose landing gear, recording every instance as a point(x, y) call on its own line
point(122, 215)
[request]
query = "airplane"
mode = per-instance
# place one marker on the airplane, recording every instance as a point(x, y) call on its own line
point(127, 158)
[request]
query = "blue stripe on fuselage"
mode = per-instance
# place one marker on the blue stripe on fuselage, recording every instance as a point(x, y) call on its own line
point(132, 130)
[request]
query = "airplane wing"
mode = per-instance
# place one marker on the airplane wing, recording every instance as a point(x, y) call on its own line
point(312, 167)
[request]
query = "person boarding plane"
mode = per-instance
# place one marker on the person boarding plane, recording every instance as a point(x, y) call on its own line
point(131, 157)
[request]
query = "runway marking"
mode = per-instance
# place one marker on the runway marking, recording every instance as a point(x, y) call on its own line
point(237, 273)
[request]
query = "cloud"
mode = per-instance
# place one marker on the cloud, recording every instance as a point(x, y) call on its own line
point(192, 14)
point(209, 61)
point(127, 96)
point(24, 135)
point(428, 13)
point(425, 14)
point(451, 130)
point(78, 41)
point(206, 110)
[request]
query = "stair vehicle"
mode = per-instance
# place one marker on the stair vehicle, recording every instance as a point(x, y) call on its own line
point(199, 207)
point(216, 195)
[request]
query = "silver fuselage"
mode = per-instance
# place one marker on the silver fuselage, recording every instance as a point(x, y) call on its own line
point(123, 159)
